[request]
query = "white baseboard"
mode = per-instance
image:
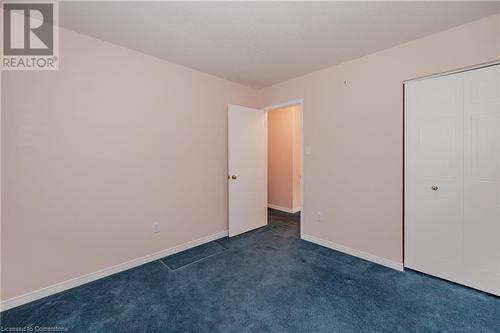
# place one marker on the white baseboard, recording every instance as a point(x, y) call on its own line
point(284, 209)
point(78, 281)
point(360, 254)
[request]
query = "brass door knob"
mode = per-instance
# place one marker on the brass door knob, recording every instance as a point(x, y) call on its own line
point(435, 187)
point(233, 177)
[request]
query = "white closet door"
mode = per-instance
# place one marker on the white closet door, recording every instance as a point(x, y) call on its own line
point(481, 247)
point(433, 140)
point(452, 138)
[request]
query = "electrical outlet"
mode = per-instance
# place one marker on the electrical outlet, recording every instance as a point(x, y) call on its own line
point(156, 227)
point(319, 217)
point(308, 150)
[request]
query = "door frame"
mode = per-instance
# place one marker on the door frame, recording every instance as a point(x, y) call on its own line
point(300, 103)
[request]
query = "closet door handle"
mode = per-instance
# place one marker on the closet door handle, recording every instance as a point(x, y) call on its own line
point(435, 187)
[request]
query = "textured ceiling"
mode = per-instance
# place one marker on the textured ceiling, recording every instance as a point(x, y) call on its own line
point(261, 43)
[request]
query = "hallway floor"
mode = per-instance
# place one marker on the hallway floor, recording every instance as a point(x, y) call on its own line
point(267, 280)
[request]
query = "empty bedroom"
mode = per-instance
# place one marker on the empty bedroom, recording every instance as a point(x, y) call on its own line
point(250, 166)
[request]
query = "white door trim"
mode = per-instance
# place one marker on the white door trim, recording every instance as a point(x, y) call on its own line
point(299, 102)
point(455, 71)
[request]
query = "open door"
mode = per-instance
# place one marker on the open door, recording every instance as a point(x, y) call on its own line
point(247, 166)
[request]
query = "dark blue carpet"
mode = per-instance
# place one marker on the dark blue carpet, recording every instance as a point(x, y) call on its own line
point(267, 280)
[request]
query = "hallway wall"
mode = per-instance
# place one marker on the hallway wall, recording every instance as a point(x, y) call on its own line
point(284, 158)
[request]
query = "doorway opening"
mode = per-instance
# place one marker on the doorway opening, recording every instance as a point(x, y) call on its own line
point(284, 162)
point(250, 195)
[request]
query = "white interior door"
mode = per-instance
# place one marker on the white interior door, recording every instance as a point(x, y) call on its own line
point(247, 166)
point(452, 160)
point(481, 227)
point(433, 152)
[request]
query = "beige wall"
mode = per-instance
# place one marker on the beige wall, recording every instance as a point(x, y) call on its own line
point(353, 173)
point(114, 141)
point(95, 153)
point(284, 157)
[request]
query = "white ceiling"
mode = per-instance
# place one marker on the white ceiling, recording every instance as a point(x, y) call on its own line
point(262, 43)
